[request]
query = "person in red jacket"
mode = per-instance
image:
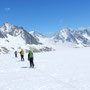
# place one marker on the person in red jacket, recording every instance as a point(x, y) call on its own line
point(16, 54)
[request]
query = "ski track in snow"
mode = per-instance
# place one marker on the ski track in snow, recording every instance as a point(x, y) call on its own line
point(64, 69)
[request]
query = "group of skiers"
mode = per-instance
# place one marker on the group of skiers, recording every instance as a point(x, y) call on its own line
point(30, 57)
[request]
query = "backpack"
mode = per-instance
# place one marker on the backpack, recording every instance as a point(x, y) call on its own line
point(31, 54)
point(22, 52)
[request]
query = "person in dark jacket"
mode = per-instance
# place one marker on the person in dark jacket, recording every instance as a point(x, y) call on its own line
point(30, 59)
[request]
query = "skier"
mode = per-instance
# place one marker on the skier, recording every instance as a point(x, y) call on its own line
point(30, 59)
point(16, 54)
point(22, 55)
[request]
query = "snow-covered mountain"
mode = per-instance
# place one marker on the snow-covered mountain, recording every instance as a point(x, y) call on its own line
point(14, 37)
point(75, 37)
point(40, 38)
point(85, 32)
point(66, 36)
point(37, 35)
point(8, 29)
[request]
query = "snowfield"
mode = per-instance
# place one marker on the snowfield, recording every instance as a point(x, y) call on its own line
point(63, 69)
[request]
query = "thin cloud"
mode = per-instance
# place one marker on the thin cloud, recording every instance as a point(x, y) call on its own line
point(89, 27)
point(49, 33)
point(7, 9)
point(81, 28)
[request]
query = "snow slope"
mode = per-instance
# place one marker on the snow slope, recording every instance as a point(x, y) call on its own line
point(63, 69)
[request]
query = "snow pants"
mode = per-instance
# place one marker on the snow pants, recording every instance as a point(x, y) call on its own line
point(22, 57)
point(31, 63)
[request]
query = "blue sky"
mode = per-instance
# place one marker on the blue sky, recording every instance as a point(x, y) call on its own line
point(45, 16)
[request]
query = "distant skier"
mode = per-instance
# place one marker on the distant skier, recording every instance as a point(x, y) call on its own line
point(16, 54)
point(22, 55)
point(30, 59)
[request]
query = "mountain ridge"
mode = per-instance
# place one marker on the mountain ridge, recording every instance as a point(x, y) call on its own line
point(18, 37)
